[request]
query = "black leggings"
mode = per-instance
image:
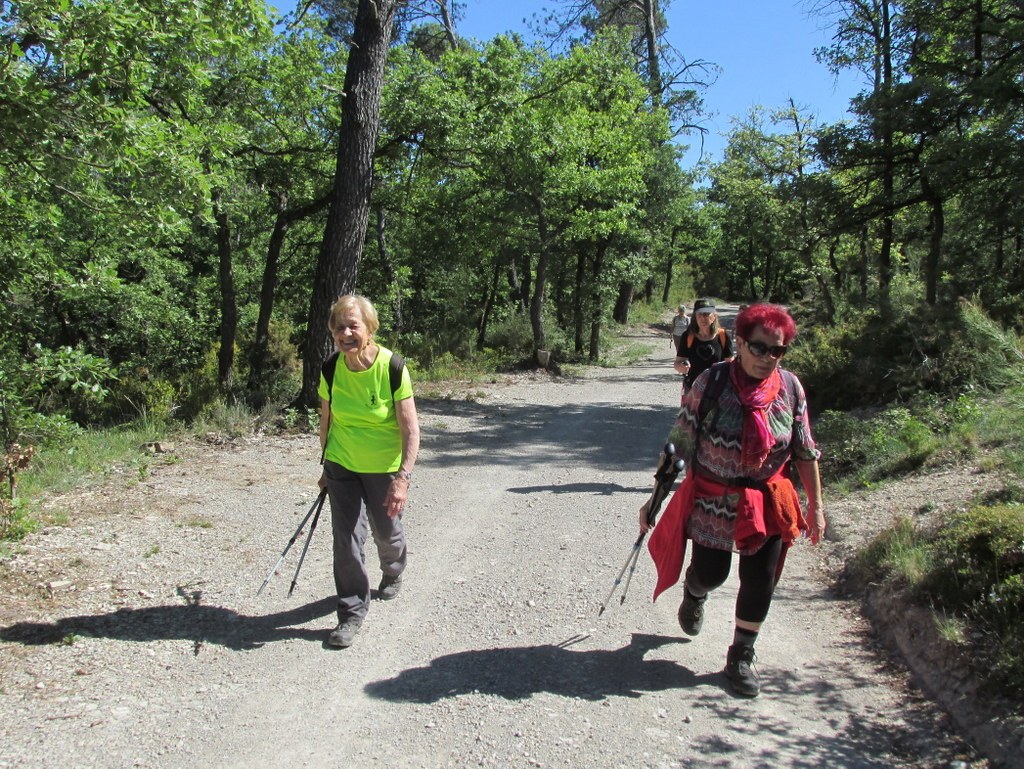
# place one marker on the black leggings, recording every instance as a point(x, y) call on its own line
point(709, 568)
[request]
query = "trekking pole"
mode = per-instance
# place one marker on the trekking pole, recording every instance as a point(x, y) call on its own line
point(319, 501)
point(664, 477)
point(312, 528)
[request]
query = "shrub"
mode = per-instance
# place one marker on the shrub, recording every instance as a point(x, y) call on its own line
point(978, 572)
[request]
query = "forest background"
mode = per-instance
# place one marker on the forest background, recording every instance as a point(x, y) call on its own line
point(184, 187)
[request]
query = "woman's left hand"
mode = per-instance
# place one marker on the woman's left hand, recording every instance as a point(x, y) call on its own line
point(398, 493)
point(815, 522)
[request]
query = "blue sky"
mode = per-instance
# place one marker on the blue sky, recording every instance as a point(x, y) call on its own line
point(765, 49)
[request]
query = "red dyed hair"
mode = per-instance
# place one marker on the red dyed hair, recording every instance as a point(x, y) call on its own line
point(773, 317)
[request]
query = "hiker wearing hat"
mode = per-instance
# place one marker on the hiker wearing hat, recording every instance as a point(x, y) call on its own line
point(679, 325)
point(704, 343)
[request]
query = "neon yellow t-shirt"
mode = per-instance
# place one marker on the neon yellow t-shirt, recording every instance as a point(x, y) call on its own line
point(364, 436)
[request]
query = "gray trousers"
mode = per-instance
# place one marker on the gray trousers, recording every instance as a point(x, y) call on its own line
point(357, 505)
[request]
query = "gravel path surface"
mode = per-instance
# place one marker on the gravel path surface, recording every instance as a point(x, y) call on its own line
point(132, 636)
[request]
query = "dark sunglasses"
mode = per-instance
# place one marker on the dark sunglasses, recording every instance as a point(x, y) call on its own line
point(760, 349)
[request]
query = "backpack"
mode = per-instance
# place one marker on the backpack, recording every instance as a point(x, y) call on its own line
point(723, 339)
point(395, 368)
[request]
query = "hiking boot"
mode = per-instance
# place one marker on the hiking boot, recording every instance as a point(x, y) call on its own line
point(389, 587)
point(343, 635)
point(740, 671)
point(691, 613)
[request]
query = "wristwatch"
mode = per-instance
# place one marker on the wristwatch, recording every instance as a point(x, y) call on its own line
point(404, 474)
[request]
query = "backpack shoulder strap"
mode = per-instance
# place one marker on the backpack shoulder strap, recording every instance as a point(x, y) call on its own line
point(395, 368)
point(328, 371)
point(723, 338)
point(719, 373)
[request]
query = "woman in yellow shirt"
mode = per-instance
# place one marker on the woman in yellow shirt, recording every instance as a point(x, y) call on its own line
point(370, 438)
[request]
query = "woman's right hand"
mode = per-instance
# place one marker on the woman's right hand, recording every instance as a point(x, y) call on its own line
point(322, 483)
point(644, 508)
point(682, 365)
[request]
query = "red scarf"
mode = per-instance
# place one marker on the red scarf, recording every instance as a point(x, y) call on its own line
point(755, 395)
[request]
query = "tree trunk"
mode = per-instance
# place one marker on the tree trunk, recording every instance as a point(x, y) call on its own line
point(597, 303)
point(577, 301)
point(670, 266)
point(539, 279)
point(337, 267)
point(865, 264)
point(389, 268)
point(937, 225)
point(885, 269)
point(228, 303)
point(268, 288)
point(485, 315)
point(623, 302)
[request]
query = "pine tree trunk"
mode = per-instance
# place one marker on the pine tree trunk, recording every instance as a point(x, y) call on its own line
point(337, 268)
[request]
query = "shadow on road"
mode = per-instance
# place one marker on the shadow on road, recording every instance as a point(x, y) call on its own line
point(193, 622)
point(599, 435)
point(517, 673)
point(597, 489)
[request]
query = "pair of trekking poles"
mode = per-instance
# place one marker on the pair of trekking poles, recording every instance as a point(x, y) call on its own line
point(314, 512)
point(668, 470)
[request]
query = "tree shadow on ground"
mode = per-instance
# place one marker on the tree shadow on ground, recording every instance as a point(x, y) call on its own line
point(191, 622)
point(516, 673)
point(594, 434)
point(597, 489)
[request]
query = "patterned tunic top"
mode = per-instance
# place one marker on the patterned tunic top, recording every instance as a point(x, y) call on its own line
point(712, 521)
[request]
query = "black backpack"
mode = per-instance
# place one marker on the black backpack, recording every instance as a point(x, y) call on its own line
point(395, 368)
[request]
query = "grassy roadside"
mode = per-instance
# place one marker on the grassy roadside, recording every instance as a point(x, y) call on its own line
point(965, 568)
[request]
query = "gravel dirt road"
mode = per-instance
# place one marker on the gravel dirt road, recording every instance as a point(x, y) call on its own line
point(132, 635)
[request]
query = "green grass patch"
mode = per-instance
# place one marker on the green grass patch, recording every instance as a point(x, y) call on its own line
point(970, 572)
point(898, 555)
point(90, 453)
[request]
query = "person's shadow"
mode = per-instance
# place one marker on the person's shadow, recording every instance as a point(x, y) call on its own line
point(516, 673)
point(192, 621)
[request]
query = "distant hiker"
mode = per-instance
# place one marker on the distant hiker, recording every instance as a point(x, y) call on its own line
point(740, 426)
point(704, 343)
point(680, 322)
point(370, 437)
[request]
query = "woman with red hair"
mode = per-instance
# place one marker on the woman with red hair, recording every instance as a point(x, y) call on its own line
point(739, 428)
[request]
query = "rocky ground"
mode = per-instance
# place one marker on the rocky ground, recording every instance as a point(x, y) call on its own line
point(132, 635)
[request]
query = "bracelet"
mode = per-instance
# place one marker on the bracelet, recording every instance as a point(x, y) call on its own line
point(405, 475)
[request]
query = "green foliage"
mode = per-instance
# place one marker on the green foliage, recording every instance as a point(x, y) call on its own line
point(867, 361)
point(220, 418)
point(970, 571)
point(80, 454)
point(899, 555)
point(861, 450)
point(978, 572)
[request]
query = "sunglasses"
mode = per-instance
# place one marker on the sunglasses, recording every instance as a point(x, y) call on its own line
point(760, 349)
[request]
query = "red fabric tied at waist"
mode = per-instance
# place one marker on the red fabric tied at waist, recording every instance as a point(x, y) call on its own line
point(759, 515)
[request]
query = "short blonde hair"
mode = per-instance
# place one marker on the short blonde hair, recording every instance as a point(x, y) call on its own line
point(349, 302)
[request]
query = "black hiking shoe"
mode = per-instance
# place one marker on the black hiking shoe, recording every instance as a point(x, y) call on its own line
point(740, 671)
point(691, 613)
point(389, 587)
point(344, 635)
